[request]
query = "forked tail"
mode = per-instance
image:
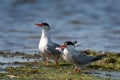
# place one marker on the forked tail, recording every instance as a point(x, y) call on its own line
point(99, 57)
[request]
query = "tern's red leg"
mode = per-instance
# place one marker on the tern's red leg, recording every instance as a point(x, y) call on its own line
point(57, 61)
point(46, 61)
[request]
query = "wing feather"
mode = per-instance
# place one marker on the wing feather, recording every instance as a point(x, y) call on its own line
point(52, 48)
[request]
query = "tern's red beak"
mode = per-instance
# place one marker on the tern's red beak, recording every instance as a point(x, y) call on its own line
point(39, 24)
point(63, 46)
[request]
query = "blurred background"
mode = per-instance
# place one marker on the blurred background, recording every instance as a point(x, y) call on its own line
point(93, 23)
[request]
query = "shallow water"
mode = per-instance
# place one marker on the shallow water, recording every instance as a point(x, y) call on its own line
point(10, 61)
point(95, 24)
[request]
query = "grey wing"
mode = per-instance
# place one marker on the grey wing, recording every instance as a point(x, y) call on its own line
point(52, 49)
point(82, 59)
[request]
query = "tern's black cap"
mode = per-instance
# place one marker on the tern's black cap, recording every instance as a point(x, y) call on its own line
point(45, 24)
point(68, 43)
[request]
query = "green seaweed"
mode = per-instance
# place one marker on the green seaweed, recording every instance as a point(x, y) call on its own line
point(38, 71)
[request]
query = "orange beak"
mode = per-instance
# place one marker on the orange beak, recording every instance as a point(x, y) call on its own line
point(39, 24)
point(63, 46)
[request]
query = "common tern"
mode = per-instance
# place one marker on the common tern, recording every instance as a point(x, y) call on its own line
point(46, 46)
point(79, 59)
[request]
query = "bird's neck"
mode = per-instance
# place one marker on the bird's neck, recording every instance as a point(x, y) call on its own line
point(70, 49)
point(46, 35)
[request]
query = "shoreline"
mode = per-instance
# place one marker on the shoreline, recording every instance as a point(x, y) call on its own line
point(32, 67)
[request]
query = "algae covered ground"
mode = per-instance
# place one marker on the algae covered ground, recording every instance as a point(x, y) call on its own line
point(36, 70)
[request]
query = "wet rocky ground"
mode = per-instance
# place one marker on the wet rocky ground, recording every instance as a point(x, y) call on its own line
point(19, 65)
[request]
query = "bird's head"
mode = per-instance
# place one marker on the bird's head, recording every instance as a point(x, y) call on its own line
point(43, 25)
point(68, 44)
